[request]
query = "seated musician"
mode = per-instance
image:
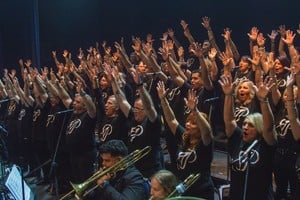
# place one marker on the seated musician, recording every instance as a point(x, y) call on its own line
point(163, 183)
point(125, 184)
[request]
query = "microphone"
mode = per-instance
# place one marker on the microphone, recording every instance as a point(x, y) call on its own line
point(63, 112)
point(246, 152)
point(211, 100)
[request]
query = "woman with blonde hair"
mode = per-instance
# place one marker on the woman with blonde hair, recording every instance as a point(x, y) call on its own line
point(250, 147)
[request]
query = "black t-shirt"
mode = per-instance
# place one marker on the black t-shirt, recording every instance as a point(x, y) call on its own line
point(285, 137)
point(25, 122)
point(54, 126)
point(241, 112)
point(113, 128)
point(145, 134)
point(39, 121)
point(80, 133)
point(192, 161)
point(259, 184)
point(202, 95)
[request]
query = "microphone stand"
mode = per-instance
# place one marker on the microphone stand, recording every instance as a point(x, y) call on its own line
point(53, 167)
point(247, 153)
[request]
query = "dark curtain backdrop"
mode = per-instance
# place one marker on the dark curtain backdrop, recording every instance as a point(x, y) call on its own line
point(70, 24)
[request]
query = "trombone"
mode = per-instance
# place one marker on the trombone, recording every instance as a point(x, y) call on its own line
point(82, 189)
point(183, 186)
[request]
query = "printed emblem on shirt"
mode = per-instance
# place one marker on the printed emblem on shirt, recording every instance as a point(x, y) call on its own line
point(135, 132)
point(173, 92)
point(241, 163)
point(74, 124)
point(281, 83)
point(106, 131)
point(186, 157)
point(283, 127)
point(36, 114)
point(22, 113)
point(50, 119)
point(11, 108)
point(240, 113)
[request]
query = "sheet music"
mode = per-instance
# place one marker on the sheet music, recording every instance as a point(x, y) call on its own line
point(14, 184)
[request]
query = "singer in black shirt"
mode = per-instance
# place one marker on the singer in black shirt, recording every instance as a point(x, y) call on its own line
point(252, 169)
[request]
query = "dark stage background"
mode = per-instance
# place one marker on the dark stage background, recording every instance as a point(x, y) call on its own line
point(32, 28)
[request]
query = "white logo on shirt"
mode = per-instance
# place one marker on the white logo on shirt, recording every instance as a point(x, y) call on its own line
point(73, 125)
point(135, 132)
point(106, 131)
point(186, 157)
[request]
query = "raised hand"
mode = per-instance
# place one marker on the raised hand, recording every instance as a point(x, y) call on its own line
point(226, 84)
point(227, 33)
point(206, 22)
point(263, 88)
point(253, 33)
point(273, 35)
point(289, 38)
point(161, 91)
point(192, 100)
point(282, 30)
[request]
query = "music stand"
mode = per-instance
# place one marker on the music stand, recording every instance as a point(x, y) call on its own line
point(17, 185)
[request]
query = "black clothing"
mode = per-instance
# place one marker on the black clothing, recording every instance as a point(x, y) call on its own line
point(197, 160)
point(127, 184)
point(146, 134)
point(259, 184)
point(81, 146)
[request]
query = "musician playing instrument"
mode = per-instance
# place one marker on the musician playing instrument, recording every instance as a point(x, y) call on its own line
point(163, 183)
point(124, 184)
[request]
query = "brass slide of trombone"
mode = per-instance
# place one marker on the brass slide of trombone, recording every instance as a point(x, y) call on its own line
point(183, 186)
point(83, 189)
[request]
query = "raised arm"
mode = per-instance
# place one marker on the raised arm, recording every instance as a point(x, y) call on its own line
point(167, 110)
point(187, 32)
point(112, 77)
point(261, 91)
point(211, 37)
point(145, 97)
point(230, 123)
point(292, 108)
point(203, 124)
point(87, 100)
